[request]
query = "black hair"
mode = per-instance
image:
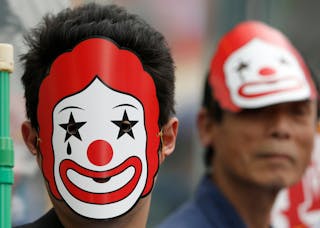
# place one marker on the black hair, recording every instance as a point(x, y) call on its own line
point(215, 112)
point(59, 33)
point(316, 79)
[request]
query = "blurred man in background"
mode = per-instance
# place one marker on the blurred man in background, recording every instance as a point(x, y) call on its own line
point(99, 89)
point(258, 123)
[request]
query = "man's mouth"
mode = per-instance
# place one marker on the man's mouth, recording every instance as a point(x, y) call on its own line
point(276, 157)
point(268, 87)
point(278, 153)
point(101, 180)
point(108, 186)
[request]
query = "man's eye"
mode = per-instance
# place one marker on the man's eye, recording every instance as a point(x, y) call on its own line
point(301, 108)
point(125, 126)
point(299, 111)
point(72, 129)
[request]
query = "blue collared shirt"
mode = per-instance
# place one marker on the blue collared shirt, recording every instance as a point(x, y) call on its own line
point(209, 208)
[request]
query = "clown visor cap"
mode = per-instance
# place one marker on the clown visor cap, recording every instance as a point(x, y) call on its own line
point(255, 66)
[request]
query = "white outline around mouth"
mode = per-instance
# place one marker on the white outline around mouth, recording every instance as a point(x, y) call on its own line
point(88, 184)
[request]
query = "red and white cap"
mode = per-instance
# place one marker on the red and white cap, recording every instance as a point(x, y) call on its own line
point(255, 66)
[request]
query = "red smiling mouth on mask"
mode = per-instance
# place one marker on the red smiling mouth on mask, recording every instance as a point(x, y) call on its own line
point(262, 88)
point(100, 177)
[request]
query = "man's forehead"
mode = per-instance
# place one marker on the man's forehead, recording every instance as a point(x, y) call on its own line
point(290, 104)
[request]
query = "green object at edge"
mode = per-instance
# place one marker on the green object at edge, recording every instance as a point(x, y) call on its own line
point(6, 152)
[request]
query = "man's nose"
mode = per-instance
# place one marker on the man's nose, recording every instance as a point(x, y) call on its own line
point(100, 152)
point(279, 125)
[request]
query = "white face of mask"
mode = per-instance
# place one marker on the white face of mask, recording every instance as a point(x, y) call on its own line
point(260, 74)
point(99, 143)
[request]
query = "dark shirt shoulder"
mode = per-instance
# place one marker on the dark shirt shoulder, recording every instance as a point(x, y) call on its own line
point(188, 215)
point(208, 208)
point(49, 220)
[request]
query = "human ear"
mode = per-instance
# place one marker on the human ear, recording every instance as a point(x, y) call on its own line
point(205, 125)
point(30, 137)
point(168, 138)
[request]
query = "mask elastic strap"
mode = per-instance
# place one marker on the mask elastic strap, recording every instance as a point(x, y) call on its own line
point(160, 134)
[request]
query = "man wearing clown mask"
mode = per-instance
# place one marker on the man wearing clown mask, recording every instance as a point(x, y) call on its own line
point(258, 123)
point(99, 87)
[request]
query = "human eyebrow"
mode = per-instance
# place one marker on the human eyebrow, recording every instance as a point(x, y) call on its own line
point(120, 105)
point(76, 107)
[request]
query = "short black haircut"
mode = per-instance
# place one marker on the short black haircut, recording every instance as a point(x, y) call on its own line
point(59, 33)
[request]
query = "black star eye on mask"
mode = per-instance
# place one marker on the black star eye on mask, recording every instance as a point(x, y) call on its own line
point(125, 125)
point(72, 128)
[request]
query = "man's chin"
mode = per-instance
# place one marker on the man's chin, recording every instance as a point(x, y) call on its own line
point(65, 213)
point(277, 183)
point(276, 186)
point(69, 216)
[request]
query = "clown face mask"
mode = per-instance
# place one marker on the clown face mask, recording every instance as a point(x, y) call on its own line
point(104, 129)
point(254, 82)
point(256, 66)
point(103, 167)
